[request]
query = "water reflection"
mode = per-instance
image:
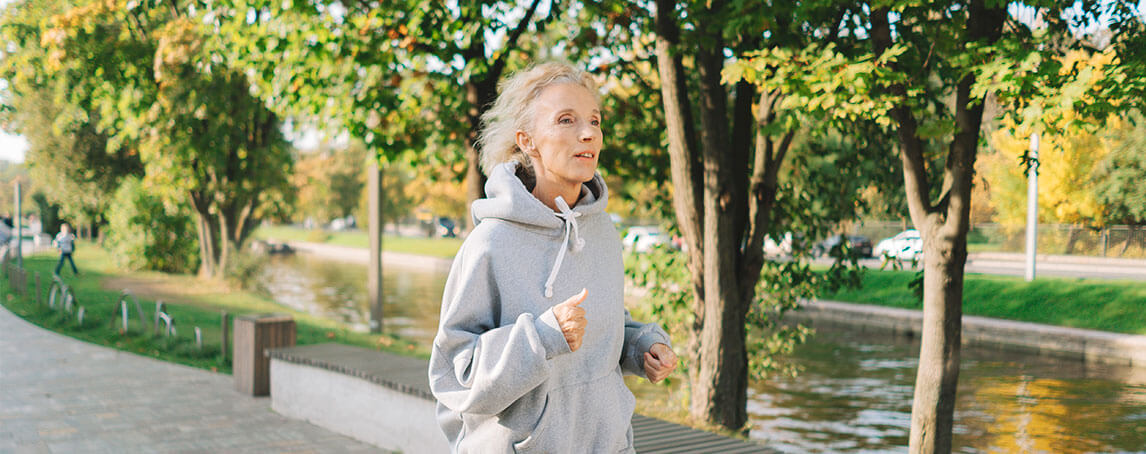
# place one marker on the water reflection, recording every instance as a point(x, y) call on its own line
point(854, 394)
point(337, 290)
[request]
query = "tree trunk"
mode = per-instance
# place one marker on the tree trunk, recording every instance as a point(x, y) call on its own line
point(711, 201)
point(225, 244)
point(687, 176)
point(1072, 238)
point(206, 237)
point(943, 225)
point(480, 93)
point(1129, 239)
point(933, 404)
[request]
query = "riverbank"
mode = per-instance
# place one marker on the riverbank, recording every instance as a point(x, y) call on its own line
point(1118, 305)
point(362, 256)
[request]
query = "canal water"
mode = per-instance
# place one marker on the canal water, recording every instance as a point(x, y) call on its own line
point(853, 395)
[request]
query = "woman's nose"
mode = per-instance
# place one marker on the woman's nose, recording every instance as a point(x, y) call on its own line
point(587, 135)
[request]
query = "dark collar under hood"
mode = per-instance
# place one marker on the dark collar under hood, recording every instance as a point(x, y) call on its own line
point(508, 199)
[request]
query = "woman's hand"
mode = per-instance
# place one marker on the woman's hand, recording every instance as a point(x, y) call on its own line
point(571, 317)
point(659, 362)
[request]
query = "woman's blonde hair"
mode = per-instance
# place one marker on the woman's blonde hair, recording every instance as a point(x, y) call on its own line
point(513, 110)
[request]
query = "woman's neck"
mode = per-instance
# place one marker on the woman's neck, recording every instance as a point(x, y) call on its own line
point(546, 191)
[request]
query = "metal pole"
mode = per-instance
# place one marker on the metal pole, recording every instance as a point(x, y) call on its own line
point(19, 231)
point(1032, 206)
point(374, 268)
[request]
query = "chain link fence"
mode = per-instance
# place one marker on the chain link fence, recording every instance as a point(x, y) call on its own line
point(1054, 239)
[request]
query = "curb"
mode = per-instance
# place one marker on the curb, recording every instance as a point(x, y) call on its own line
point(362, 256)
point(1046, 259)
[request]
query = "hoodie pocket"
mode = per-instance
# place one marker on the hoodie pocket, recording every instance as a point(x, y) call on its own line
point(531, 442)
point(592, 416)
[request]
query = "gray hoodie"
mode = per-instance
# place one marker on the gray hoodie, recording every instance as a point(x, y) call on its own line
point(503, 374)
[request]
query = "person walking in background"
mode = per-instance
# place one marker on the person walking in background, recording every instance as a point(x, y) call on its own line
point(534, 336)
point(66, 242)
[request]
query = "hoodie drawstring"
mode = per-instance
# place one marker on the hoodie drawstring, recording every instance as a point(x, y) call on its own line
point(570, 218)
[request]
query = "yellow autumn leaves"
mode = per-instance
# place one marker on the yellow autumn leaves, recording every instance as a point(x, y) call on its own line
point(1070, 148)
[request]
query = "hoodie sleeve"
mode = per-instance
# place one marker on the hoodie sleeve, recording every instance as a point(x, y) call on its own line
point(476, 366)
point(639, 338)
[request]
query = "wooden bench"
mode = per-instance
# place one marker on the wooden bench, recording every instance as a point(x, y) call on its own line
point(384, 399)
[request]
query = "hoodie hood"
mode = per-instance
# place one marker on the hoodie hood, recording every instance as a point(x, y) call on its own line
point(508, 199)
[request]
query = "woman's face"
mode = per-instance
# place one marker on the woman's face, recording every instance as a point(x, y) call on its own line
point(566, 139)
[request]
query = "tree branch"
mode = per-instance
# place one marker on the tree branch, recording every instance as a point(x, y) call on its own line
point(984, 24)
point(511, 42)
point(911, 147)
point(741, 153)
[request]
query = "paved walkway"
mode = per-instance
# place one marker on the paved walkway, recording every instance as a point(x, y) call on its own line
point(58, 394)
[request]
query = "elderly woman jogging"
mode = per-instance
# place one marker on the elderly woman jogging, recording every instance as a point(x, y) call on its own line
point(534, 336)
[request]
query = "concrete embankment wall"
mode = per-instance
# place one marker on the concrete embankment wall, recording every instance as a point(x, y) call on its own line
point(1074, 343)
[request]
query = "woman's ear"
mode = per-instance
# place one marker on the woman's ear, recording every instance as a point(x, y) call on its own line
point(525, 143)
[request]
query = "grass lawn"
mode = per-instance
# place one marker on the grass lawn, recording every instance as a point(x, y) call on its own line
point(436, 247)
point(1117, 306)
point(191, 301)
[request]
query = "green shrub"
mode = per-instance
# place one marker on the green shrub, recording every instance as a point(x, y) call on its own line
point(146, 232)
point(245, 271)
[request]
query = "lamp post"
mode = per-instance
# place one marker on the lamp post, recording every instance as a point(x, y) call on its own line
point(374, 268)
point(19, 230)
point(1032, 206)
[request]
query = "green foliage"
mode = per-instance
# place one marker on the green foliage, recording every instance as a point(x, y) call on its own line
point(817, 81)
point(329, 183)
point(59, 115)
point(408, 78)
point(140, 88)
point(1120, 175)
point(145, 232)
point(663, 279)
point(245, 271)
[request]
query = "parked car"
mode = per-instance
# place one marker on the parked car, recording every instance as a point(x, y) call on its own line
point(784, 246)
point(643, 238)
point(861, 244)
point(906, 245)
point(342, 224)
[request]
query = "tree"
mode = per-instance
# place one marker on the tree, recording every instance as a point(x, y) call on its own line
point(953, 54)
point(410, 79)
point(157, 79)
point(67, 151)
point(1118, 177)
point(735, 134)
point(329, 182)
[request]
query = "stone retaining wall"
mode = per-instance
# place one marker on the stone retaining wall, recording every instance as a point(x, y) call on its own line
point(1081, 344)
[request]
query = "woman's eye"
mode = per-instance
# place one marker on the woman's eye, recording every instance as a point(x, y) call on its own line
point(565, 120)
point(595, 122)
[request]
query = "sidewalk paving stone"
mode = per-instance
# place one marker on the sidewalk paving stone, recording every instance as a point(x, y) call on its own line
point(62, 395)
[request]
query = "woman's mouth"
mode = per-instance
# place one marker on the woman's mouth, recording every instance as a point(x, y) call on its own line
point(586, 155)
